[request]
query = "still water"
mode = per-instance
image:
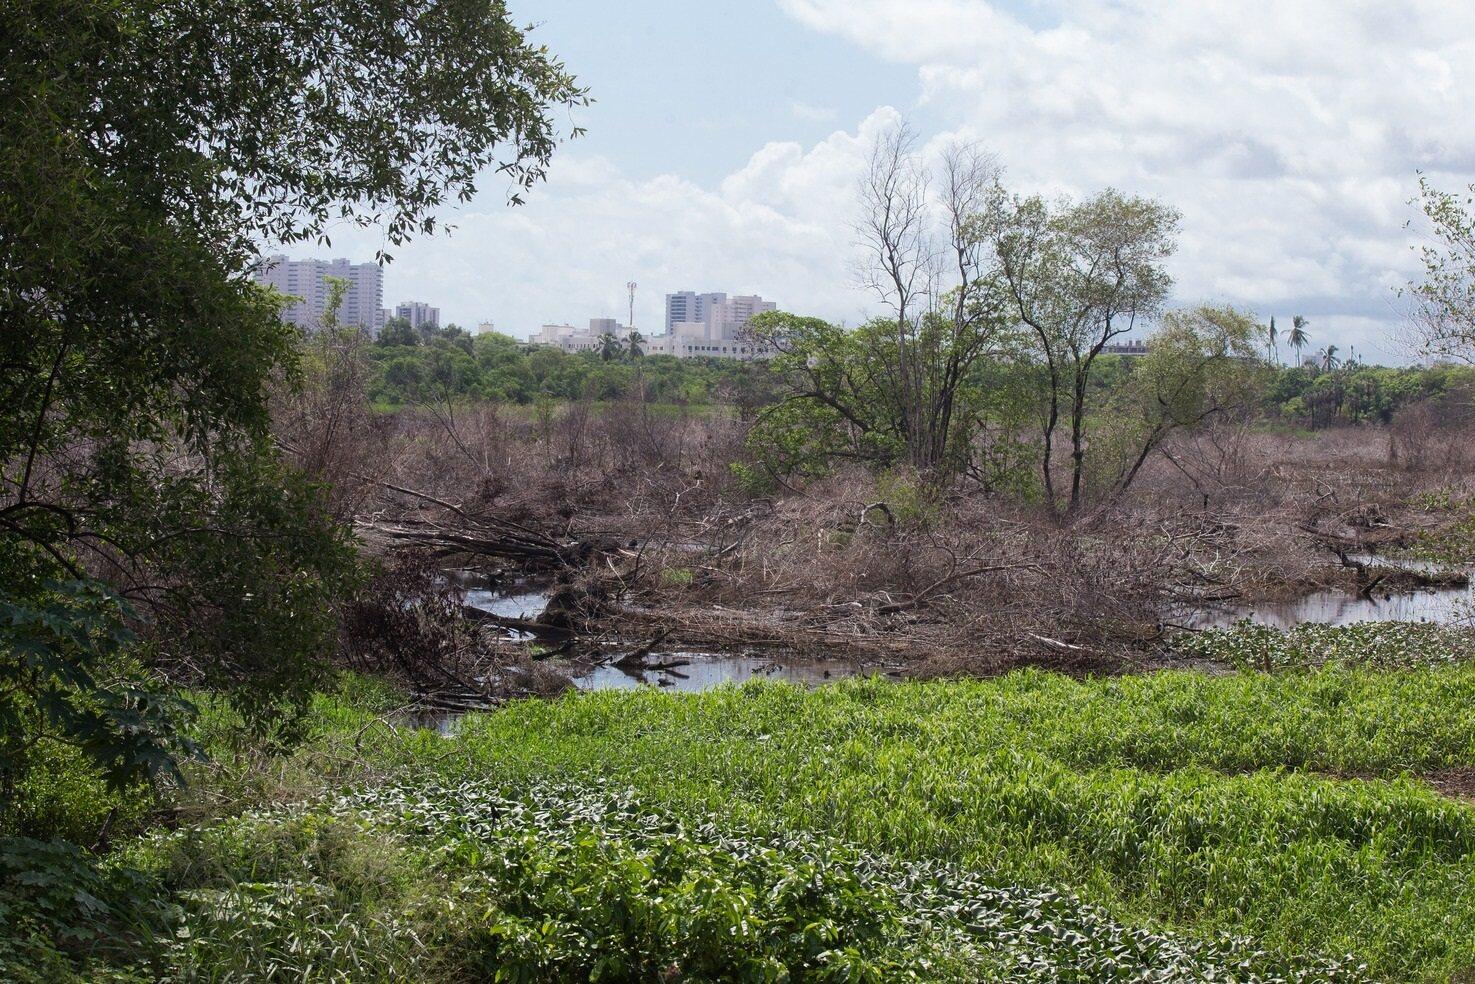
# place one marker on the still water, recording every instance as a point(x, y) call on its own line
point(1441, 605)
point(703, 671)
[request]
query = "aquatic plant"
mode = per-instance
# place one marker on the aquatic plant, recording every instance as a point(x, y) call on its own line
point(1386, 645)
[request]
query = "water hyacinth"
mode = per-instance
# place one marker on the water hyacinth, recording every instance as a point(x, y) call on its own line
point(559, 882)
point(1384, 645)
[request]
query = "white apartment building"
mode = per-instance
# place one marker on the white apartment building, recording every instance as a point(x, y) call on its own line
point(688, 306)
point(710, 326)
point(418, 313)
point(363, 301)
point(572, 339)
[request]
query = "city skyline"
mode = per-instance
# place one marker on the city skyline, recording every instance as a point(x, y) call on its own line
point(1294, 183)
point(707, 325)
point(305, 278)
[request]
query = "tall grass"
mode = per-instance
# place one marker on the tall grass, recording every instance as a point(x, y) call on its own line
point(1177, 800)
point(1154, 813)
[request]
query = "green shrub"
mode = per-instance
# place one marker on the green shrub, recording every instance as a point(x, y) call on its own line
point(66, 918)
point(675, 577)
point(473, 881)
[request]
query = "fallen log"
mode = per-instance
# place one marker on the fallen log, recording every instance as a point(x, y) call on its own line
point(530, 626)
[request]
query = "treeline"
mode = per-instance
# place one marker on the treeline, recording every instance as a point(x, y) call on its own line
point(1316, 398)
point(436, 364)
point(1362, 394)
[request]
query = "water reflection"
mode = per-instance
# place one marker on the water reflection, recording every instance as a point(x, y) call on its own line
point(524, 602)
point(689, 672)
point(1445, 606)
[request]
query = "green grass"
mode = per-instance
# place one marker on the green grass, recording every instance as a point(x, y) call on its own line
point(1137, 823)
point(460, 881)
point(1171, 800)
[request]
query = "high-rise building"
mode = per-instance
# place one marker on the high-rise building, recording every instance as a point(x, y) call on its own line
point(710, 326)
point(363, 300)
point(688, 306)
point(418, 314)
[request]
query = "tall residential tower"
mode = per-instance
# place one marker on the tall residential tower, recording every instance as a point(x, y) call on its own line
point(363, 301)
point(710, 326)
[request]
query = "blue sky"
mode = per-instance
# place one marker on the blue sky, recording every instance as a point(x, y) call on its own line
point(726, 140)
point(694, 88)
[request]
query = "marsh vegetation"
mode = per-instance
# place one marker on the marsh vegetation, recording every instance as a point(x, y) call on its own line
point(960, 644)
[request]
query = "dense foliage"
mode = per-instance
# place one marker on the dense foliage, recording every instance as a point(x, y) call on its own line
point(841, 402)
point(149, 146)
point(1363, 394)
point(449, 365)
point(476, 881)
point(1191, 804)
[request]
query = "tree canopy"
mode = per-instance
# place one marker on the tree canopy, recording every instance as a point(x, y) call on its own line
point(151, 147)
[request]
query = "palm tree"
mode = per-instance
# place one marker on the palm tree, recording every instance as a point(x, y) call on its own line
point(1271, 337)
point(1328, 357)
point(633, 344)
point(609, 346)
point(1298, 336)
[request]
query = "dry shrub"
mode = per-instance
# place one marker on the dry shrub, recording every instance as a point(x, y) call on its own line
point(326, 427)
point(883, 565)
point(1434, 435)
point(861, 564)
point(407, 622)
point(620, 467)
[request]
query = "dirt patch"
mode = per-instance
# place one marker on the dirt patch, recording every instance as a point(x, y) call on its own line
point(1454, 783)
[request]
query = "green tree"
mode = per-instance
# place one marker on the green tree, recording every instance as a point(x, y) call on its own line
point(149, 147)
point(635, 344)
point(397, 331)
point(1077, 277)
point(610, 347)
point(842, 402)
point(1201, 363)
point(1298, 338)
point(1444, 299)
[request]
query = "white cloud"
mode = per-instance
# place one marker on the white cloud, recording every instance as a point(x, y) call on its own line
point(1288, 133)
point(780, 226)
point(810, 113)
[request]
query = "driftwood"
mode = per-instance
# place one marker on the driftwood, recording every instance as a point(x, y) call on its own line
point(636, 658)
point(531, 626)
point(493, 538)
point(481, 535)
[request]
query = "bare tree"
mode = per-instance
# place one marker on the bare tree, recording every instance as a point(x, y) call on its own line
point(1444, 300)
point(924, 260)
point(894, 237)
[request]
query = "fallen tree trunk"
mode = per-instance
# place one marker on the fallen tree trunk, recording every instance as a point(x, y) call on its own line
point(492, 538)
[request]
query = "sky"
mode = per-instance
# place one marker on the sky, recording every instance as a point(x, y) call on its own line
point(726, 140)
